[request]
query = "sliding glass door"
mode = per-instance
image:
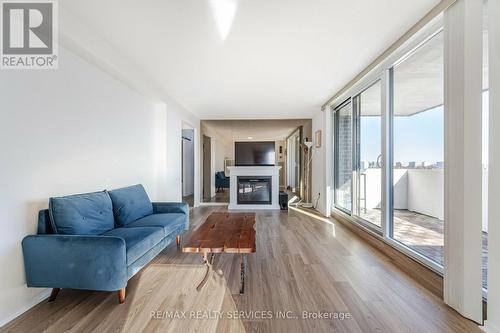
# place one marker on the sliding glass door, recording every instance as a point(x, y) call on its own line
point(418, 150)
point(389, 152)
point(368, 154)
point(343, 157)
point(358, 157)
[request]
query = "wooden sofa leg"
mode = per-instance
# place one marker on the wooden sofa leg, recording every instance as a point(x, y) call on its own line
point(121, 296)
point(178, 240)
point(53, 294)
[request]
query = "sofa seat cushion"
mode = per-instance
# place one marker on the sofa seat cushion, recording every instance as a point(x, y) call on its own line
point(169, 222)
point(130, 204)
point(138, 241)
point(81, 214)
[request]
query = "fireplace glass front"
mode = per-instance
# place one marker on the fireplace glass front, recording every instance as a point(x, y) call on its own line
point(254, 190)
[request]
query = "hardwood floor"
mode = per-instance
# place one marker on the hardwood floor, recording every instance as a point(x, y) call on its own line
point(189, 200)
point(222, 196)
point(302, 264)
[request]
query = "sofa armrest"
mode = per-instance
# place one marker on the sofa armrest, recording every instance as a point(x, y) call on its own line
point(75, 261)
point(172, 207)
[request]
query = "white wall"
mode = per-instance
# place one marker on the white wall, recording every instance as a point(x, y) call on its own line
point(97, 122)
point(87, 43)
point(188, 162)
point(177, 119)
point(71, 130)
point(319, 179)
point(221, 151)
point(213, 144)
point(374, 188)
point(292, 162)
point(221, 147)
point(418, 190)
point(400, 181)
point(426, 192)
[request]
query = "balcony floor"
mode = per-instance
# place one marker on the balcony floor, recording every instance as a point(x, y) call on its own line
point(422, 233)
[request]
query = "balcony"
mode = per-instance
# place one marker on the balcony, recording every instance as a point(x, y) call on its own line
point(418, 210)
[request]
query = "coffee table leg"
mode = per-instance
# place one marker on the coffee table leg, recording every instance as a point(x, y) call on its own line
point(242, 272)
point(207, 272)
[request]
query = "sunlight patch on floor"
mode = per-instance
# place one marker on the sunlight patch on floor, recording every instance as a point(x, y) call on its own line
point(315, 216)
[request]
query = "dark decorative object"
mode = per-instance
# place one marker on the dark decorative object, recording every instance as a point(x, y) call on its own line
point(283, 200)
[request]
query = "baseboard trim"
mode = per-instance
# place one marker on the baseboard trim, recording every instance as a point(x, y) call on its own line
point(205, 204)
point(43, 295)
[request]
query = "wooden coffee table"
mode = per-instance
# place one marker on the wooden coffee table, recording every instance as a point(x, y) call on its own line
point(224, 232)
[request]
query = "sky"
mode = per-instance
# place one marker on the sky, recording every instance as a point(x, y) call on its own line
point(417, 138)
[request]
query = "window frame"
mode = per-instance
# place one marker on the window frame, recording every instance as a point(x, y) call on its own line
point(356, 150)
point(336, 154)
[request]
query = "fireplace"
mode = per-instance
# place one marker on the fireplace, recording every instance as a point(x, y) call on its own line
point(254, 190)
point(254, 187)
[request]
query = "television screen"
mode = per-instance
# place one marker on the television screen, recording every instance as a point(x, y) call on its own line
point(254, 153)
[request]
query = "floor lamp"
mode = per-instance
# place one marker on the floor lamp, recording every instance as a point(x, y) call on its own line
point(308, 145)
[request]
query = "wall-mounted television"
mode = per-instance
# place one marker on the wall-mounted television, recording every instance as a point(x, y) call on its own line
point(254, 153)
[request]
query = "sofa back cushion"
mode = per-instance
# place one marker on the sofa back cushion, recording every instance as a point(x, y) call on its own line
point(81, 214)
point(130, 204)
point(44, 223)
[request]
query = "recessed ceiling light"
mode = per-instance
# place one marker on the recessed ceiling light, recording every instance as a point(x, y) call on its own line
point(224, 12)
point(250, 138)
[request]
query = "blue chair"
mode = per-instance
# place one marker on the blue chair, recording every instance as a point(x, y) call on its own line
point(221, 181)
point(98, 241)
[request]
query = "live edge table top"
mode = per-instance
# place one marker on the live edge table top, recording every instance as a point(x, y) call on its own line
point(224, 232)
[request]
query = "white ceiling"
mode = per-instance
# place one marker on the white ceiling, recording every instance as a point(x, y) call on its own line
point(250, 58)
point(254, 130)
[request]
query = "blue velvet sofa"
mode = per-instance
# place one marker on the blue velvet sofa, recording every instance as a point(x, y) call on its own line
point(221, 181)
point(97, 241)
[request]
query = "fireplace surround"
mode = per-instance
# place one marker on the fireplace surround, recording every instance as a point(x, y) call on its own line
point(259, 186)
